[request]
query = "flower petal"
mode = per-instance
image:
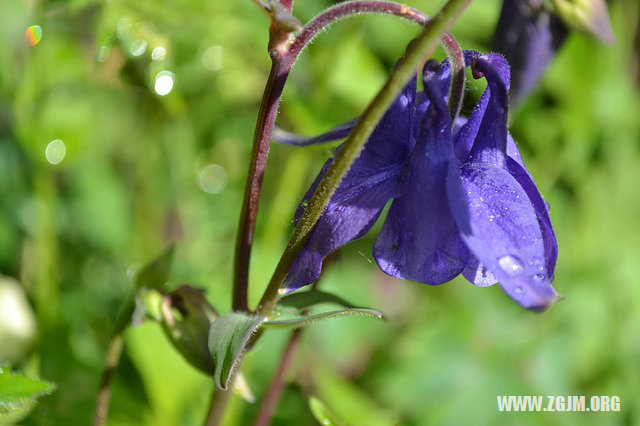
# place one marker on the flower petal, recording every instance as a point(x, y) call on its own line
point(478, 274)
point(499, 224)
point(466, 135)
point(373, 179)
point(526, 182)
point(341, 131)
point(419, 239)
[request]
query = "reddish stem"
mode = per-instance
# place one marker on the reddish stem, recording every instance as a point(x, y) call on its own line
point(277, 385)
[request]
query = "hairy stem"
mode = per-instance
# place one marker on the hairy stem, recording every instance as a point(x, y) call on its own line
point(257, 166)
point(422, 46)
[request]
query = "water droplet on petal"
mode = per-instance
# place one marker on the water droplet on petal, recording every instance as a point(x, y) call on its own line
point(519, 290)
point(34, 34)
point(511, 265)
point(538, 277)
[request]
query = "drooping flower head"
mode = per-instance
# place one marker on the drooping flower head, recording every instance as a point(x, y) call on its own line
point(463, 203)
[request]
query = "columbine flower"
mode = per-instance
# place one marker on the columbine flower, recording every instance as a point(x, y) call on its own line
point(463, 201)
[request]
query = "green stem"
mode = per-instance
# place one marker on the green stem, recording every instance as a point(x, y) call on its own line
point(104, 393)
point(422, 46)
point(219, 400)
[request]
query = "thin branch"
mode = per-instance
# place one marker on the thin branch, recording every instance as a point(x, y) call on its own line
point(277, 385)
point(104, 393)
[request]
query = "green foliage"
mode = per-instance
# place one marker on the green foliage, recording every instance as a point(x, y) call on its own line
point(137, 176)
point(19, 392)
point(228, 339)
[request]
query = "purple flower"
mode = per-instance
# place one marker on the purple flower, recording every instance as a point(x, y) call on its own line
point(529, 36)
point(463, 202)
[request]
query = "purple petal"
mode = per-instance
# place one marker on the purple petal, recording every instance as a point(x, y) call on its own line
point(419, 240)
point(341, 131)
point(529, 36)
point(499, 224)
point(550, 243)
point(466, 135)
point(373, 179)
point(478, 274)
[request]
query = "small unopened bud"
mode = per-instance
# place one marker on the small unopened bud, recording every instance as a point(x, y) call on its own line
point(186, 316)
point(283, 18)
point(590, 16)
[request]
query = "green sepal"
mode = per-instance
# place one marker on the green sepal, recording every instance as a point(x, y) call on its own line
point(308, 299)
point(305, 320)
point(228, 339)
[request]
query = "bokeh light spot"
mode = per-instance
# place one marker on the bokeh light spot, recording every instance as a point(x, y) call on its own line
point(212, 58)
point(164, 83)
point(159, 53)
point(138, 47)
point(212, 179)
point(34, 34)
point(55, 151)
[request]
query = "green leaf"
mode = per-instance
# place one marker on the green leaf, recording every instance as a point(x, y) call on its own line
point(155, 273)
point(310, 298)
point(18, 391)
point(322, 414)
point(305, 320)
point(228, 338)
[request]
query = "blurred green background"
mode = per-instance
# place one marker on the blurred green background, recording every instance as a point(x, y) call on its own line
point(140, 170)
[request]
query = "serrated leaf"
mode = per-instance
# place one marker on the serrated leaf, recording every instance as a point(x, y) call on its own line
point(155, 273)
point(305, 320)
point(308, 299)
point(321, 412)
point(228, 338)
point(18, 391)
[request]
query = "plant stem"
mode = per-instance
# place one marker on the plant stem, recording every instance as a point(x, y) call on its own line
point(219, 400)
point(104, 393)
point(422, 46)
point(283, 58)
point(271, 399)
point(257, 166)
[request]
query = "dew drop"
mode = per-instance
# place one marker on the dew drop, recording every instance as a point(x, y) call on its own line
point(305, 203)
point(519, 290)
point(538, 277)
point(511, 265)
